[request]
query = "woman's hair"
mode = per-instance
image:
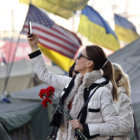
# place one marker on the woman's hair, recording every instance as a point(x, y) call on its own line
point(121, 78)
point(71, 70)
point(97, 55)
point(72, 73)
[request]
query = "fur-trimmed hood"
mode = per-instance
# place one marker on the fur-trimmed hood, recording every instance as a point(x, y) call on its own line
point(82, 82)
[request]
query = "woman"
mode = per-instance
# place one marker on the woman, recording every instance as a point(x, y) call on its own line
point(123, 105)
point(99, 119)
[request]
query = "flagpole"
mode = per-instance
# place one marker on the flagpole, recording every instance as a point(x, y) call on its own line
point(3, 95)
point(8, 60)
point(11, 40)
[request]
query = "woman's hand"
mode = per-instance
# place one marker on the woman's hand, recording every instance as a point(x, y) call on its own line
point(76, 124)
point(33, 40)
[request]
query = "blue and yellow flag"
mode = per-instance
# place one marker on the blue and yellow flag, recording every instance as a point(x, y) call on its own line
point(97, 30)
point(124, 29)
point(65, 8)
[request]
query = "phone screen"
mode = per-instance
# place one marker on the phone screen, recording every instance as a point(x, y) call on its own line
point(30, 27)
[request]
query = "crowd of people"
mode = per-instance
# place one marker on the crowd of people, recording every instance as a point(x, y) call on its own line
point(96, 93)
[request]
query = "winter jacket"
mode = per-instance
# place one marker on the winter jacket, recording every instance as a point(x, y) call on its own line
point(101, 119)
point(124, 107)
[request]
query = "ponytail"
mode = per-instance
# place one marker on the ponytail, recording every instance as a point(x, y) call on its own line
point(109, 74)
point(97, 55)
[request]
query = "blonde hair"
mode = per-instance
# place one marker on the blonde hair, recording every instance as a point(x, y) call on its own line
point(121, 78)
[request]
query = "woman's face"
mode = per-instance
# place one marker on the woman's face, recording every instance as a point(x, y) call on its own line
point(81, 62)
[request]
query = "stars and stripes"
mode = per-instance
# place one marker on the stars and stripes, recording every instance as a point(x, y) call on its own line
point(51, 35)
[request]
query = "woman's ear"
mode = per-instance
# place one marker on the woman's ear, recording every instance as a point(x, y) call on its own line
point(90, 64)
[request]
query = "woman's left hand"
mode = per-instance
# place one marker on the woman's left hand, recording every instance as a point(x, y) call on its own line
point(76, 124)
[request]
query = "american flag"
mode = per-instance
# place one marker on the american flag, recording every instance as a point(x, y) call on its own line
point(51, 35)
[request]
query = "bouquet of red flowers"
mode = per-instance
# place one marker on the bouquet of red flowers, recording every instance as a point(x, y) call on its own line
point(47, 96)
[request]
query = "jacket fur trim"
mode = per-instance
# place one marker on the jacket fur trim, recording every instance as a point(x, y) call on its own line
point(66, 131)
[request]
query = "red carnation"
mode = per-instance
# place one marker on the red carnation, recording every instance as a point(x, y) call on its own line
point(47, 93)
point(50, 91)
point(45, 101)
point(42, 92)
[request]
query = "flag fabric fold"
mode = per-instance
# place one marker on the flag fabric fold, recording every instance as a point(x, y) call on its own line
point(64, 9)
point(125, 29)
point(97, 30)
point(56, 42)
point(72, 5)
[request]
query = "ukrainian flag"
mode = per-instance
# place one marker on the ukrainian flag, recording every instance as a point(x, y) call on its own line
point(97, 30)
point(124, 29)
point(65, 8)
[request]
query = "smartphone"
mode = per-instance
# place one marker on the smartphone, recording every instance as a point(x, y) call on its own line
point(30, 28)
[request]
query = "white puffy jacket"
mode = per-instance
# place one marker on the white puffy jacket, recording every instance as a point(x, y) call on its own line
point(124, 107)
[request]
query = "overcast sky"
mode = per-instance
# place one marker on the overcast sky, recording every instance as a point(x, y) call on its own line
point(13, 13)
